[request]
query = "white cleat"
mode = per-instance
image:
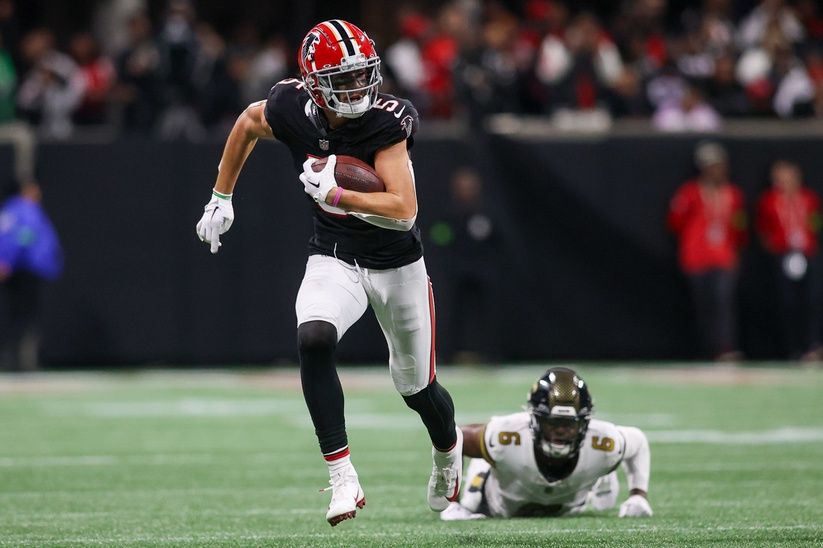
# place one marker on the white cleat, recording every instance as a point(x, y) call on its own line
point(346, 496)
point(456, 512)
point(447, 472)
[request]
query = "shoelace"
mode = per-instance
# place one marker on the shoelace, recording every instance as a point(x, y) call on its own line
point(340, 480)
point(444, 477)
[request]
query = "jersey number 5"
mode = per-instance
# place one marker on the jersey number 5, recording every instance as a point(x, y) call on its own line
point(605, 444)
point(292, 81)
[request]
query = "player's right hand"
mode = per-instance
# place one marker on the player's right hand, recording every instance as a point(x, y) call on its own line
point(636, 506)
point(318, 184)
point(216, 220)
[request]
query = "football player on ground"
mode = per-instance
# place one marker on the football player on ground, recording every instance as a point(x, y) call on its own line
point(365, 251)
point(552, 459)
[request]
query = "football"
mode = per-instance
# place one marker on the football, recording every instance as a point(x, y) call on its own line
point(353, 174)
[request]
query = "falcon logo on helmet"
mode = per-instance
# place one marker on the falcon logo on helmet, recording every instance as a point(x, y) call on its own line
point(560, 407)
point(309, 44)
point(340, 68)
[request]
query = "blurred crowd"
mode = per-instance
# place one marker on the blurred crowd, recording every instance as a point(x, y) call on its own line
point(173, 78)
point(685, 67)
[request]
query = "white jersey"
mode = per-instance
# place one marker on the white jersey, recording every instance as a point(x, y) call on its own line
point(515, 486)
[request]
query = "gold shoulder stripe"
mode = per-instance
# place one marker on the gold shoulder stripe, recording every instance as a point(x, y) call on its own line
point(483, 450)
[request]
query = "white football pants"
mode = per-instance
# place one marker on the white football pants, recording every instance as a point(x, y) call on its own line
point(336, 292)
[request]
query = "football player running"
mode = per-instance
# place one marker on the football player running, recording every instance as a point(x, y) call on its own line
point(366, 249)
point(552, 459)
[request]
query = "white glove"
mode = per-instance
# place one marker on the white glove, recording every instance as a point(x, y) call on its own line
point(216, 220)
point(636, 506)
point(317, 185)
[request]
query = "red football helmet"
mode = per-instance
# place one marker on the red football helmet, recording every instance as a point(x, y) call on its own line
point(340, 68)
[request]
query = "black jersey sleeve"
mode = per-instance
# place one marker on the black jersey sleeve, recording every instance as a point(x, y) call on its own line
point(282, 103)
point(397, 121)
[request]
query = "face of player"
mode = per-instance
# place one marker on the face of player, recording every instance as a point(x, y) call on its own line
point(558, 436)
point(347, 90)
point(350, 86)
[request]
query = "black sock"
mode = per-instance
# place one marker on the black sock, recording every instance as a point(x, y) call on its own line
point(316, 342)
point(435, 407)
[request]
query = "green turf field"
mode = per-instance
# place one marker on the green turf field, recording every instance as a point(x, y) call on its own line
point(216, 458)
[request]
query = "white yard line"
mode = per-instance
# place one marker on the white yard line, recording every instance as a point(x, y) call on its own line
point(786, 434)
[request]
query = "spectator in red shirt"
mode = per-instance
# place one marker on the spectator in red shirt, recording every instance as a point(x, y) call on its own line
point(97, 73)
point(788, 220)
point(707, 215)
point(439, 54)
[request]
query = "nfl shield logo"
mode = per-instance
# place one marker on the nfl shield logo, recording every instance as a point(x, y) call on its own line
point(324, 144)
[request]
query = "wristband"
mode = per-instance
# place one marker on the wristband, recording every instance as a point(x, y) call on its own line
point(337, 195)
point(221, 195)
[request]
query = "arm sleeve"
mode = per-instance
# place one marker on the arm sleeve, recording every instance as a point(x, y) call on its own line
point(9, 253)
point(283, 96)
point(814, 211)
point(402, 225)
point(395, 125)
point(637, 457)
point(764, 220)
point(46, 255)
point(484, 444)
point(740, 220)
point(678, 210)
point(10, 249)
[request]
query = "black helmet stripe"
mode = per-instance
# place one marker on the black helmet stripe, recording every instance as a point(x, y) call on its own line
point(345, 38)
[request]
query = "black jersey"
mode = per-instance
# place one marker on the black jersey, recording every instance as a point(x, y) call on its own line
point(295, 120)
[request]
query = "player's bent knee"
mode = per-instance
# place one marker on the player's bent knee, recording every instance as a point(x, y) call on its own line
point(412, 392)
point(425, 397)
point(316, 336)
point(406, 376)
point(408, 390)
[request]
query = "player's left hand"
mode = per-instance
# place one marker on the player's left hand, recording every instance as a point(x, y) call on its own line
point(636, 506)
point(318, 184)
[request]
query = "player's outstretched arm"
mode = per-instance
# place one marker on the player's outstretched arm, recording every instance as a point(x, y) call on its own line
point(399, 201)
point(637, 465)
point(218, 216)
point(473, 440)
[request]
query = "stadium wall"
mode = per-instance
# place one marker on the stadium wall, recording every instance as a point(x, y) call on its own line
point(587, 268)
